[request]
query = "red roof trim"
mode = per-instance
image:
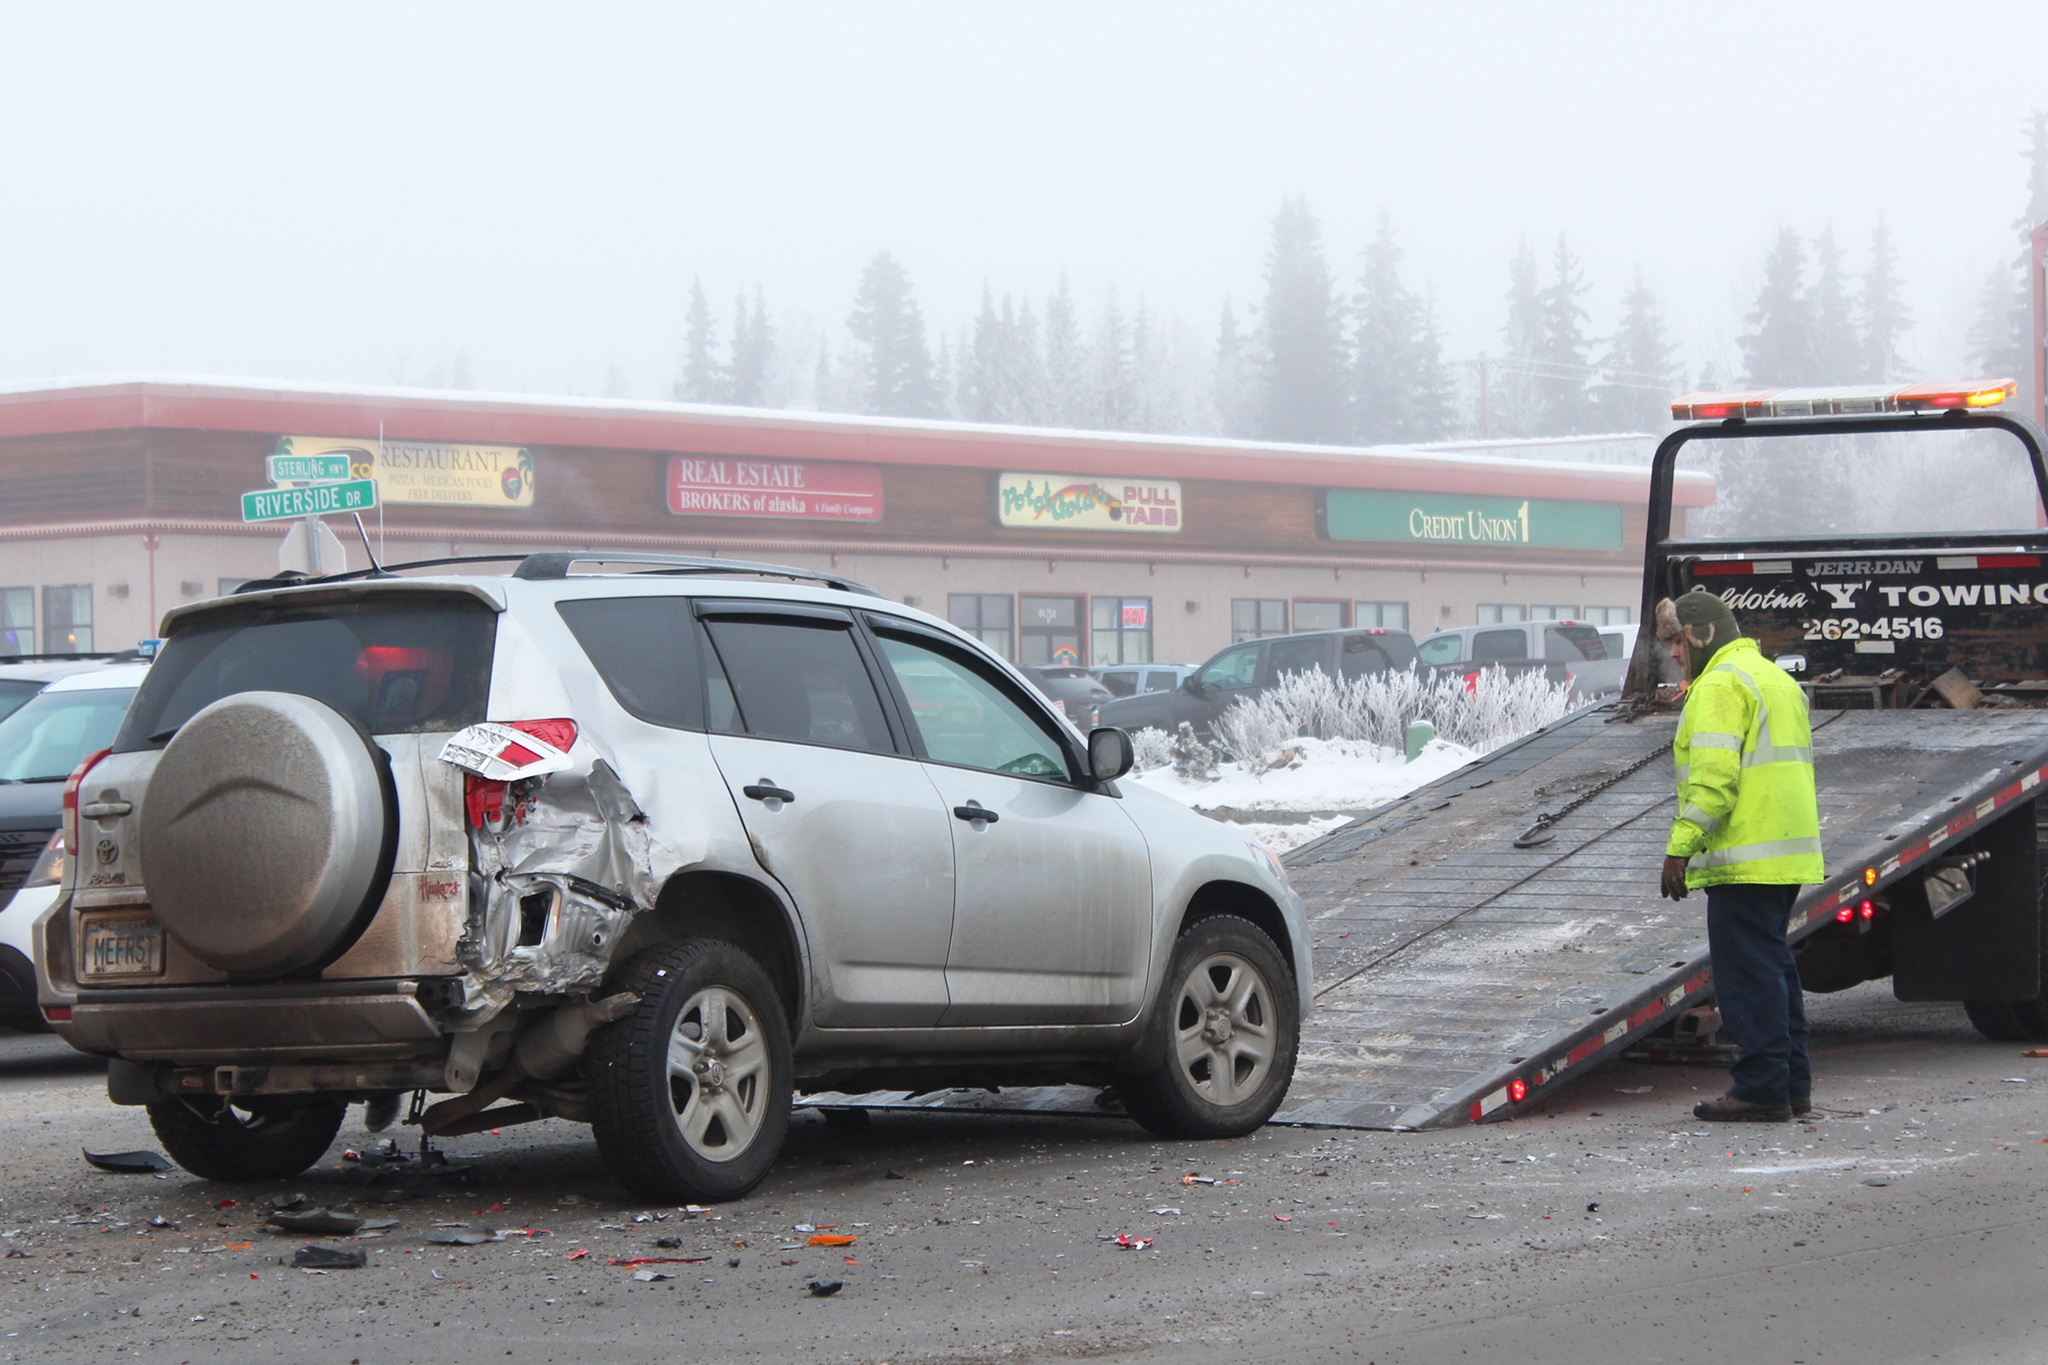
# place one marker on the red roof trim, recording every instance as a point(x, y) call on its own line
point(802, 436)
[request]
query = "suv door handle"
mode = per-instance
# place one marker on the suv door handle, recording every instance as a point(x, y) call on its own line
point(766, 790)
point(975, 811)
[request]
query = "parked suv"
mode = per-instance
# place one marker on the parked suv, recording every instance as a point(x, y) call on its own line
point(1567, 651)
point(1248, 669)
point(648, 850)
point(1128, 680)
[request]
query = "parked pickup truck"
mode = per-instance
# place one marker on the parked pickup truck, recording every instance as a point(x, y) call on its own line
point(1567, 651)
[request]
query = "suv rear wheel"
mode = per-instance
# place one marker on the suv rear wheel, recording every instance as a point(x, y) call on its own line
point(689, 1094)
point(253, 1140)
point(1227, 1040)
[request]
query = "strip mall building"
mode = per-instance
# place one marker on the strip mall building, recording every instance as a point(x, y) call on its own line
point(122, 498)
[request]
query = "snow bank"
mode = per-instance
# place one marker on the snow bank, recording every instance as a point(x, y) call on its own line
point(1322, 775)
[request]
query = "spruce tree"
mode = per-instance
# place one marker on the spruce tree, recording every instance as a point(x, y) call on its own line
point(1111, 389)
point(1640, 367)
point(1021, 375)
point(981, 379)
point(1434, 406)
point(1837, 349)
point(753, 346)
point(703, 378)
point(1778, 351)
point(1513, 392)
point(2021, 322)
point(1302, 379)
point(1881, 314)
point(2001, 331)
point(1563, 355)
point(1065, 403)
point(1384, 317)
point(897, 377)
point(1233, 382)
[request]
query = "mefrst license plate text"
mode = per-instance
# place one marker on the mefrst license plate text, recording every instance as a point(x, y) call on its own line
point(124, 948)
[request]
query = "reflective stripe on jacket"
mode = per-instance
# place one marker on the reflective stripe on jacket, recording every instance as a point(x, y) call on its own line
point(1746, 806)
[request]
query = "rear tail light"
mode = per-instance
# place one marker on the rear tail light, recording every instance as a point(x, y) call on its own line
point(71, 786)
point(1518, 1090)
point(1846, 914)
point(57, 1014)
point(1869, 910)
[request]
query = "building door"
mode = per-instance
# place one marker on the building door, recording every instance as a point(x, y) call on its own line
point(835, 810)
point(1049, 632)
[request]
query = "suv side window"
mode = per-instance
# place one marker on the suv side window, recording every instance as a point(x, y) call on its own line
point(1232, 669)
point(1573, 644)
point(1362, 655)
point(1298, 655)
point(645, 649)
point(963, 714)
point(1444, 649)
point(798, 678)
point(1160, 682)
point(1492, 646)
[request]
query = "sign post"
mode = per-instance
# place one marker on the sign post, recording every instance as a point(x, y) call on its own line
point(309, 500)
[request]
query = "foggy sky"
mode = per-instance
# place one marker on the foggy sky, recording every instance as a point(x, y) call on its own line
point(316, 192)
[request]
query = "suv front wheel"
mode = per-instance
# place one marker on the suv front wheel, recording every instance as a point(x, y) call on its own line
point(689, 1093)
point(1225, 1046)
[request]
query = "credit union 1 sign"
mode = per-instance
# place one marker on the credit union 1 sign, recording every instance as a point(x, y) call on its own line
point(1455, 519)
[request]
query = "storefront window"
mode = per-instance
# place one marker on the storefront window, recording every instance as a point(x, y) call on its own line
point(1607, 616)
point(1494, 613)
point(985, 616)
point(1120, 630)
point(1553, 613)
point(1311, 615)
point(1390, 615)
point(17, 621)
point(1049, 631)
point(67, 619)
point(1253, 618)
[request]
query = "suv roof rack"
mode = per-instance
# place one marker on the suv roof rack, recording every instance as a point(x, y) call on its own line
point(553, 564)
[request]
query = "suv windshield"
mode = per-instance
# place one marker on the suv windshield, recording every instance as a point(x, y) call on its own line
point(399, 665)
point(56, 731)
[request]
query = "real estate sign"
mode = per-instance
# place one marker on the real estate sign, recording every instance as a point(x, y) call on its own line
point(724, 486)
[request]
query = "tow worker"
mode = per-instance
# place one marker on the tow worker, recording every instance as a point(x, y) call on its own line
point(1748, 832)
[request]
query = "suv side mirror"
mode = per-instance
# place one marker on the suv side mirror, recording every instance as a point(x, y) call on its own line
point(1192, 684)
point(1110, 754)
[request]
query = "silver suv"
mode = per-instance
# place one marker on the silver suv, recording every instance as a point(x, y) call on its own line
point(650, 850)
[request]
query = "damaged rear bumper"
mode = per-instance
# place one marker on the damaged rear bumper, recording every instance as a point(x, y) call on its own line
point(210, 1025)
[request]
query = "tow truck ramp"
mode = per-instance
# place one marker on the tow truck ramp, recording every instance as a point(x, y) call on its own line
point(1460, 977)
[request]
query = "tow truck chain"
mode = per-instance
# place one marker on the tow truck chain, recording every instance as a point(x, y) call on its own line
point(1541, 832)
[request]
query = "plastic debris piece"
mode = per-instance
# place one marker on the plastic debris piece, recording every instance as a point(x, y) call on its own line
point(128, 1163)
point(733, 1262)
point(1878, 1180)
point(893, 1174)
point(2035, 1052)
point(656, 1260)
point(825, 1289)
point(162, 1222)
point(461, 1237)
point(645, 1275)
point(579, 1253)
point(1130, 1243)
point(803, 1227)
point(319, 1222)
point(289, 1201)
point(1192, 1179)
point(831, 1239)
point(224, 1203)
point(1633, 1089)
point(2015, 1080)
point(1167, 1213)
point(318, 1257)
point(668, 1243)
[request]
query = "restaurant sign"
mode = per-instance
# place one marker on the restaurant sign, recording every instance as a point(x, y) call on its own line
point(1455, 519)
point(723, 486)
point(445, 474)
point(1070, 502)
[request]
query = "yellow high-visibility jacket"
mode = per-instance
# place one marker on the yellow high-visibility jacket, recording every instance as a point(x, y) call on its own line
point(1746, 807)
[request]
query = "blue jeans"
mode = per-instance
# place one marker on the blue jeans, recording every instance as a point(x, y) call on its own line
point(1756, 983)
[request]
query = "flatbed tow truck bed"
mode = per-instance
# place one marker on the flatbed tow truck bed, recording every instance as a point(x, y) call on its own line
point(1451, 964)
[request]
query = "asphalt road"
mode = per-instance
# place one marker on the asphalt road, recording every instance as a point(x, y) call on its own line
point(1609, 1227)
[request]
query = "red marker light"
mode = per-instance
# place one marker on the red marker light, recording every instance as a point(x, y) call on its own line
point(1518, 1090)
point(1869, 910)
point(1845, 914)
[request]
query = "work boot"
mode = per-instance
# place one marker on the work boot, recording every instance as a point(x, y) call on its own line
point(1802, 1106)
point(1728, 1109)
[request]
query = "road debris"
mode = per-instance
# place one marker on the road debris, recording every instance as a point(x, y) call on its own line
point(128, 1163)
point(320, 1222)
point(1878, 1180)
point(655, 1260)
point(825, 1289)
point(318, 1257)
point(1126, 1242)
point(647, 1275)
point(831, 1239)
point(459, 1236)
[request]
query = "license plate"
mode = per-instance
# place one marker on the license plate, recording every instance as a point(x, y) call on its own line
point(124, 947)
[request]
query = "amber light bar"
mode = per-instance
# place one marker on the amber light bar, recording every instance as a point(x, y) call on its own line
point(1855, 400)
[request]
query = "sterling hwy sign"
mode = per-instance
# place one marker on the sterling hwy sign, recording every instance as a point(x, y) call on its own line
point(306, 468)
point(276, 504)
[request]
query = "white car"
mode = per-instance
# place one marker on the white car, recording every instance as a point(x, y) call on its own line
point(649, 850)
point(65, 722)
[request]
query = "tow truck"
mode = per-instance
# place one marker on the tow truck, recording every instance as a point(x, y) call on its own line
point(1498, 933)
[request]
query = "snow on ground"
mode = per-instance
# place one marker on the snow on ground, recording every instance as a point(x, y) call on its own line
point(1324, 775)
point(1281, 838)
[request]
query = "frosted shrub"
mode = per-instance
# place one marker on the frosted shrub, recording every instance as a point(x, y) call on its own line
point(1378, 708)
point(1192, 758)
point(1151, 748)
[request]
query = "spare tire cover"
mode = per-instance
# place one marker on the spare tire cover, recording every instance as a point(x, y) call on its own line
point(263, 829)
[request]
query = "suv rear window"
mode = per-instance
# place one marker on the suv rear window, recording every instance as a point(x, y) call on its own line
point(1570, 644)
point(397, 665)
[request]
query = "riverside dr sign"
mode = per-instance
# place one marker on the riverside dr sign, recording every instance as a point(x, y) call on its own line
point(1456, 519)
point(319, 500)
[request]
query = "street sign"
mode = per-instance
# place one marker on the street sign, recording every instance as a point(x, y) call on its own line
point(275, 504)
point(306, 468)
